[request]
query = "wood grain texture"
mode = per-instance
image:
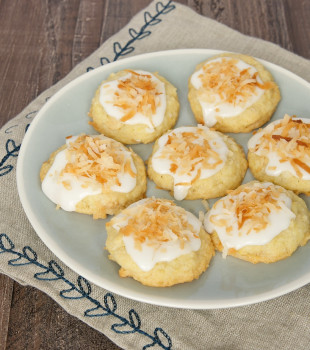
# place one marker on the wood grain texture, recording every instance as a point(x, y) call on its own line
point(298, 25)
point(87, 35)
point(6, 292)
point(40, 42)
point(37, 322)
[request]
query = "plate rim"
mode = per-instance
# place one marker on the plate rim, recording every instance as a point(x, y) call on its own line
point(57, 250)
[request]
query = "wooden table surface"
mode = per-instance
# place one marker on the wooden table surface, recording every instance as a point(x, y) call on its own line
point(40, 42)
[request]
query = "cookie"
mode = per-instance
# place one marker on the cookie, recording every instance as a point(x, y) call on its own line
point(196, 163)
point(232, 93)
point(134, 106)
point(93, 175)
point(158, 243)
point(280, 153)
point(259, 222)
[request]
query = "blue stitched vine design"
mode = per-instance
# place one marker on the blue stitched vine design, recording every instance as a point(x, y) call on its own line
point(12, 151)
point(144, 31)
point(11, 148)
point(82, 289)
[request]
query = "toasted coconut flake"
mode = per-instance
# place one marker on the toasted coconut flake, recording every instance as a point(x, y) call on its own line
point(97, 159)
point(128, 169)
point(251, 206)
point(223, 78)
point(137, 94)
point(189, 153)
point(156, 221)
point(290, 140)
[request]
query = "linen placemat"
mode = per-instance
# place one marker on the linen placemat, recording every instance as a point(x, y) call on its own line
point(279, 323)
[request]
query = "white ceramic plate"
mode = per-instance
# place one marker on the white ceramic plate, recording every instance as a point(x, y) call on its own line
point(78, 240)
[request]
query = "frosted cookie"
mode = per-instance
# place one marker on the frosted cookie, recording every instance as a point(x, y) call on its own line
point(196, 162)
point(93, 175)
point(280, 153)
point(134, 106)
point(259, 222)
point(158, 243)
point(232, 93)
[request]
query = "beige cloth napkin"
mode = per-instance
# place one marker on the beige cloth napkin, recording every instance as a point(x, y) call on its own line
point(282, 323)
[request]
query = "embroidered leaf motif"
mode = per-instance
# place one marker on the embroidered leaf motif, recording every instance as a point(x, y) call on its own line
point(84, 285)
point(11, 151)
point(71, 293)
point(30, 115)
point(143, 35)
point(104, 60)
point(164, 9)
point(6, 245)
point(9, 129)
point(126, 327)
point(150, 20)
point(160, 7)
point(117, 48)
point(109, 301)
point(97, 311)
point(133, 33)
point(138, 35)
point(29, 256)
point(160, 334)
point(5, 169)
point(83, 291)
point(127, 51)
point(53, 273)
point(11, 148)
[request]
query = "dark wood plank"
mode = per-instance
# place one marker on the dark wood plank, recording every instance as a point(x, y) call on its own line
point(48, 326)
point(297, 17)
point(261, 19)
point(40, 42)
point(6, 291)
point(18, 48)
point(87, 35)
point(58, 25)
point(285, 22)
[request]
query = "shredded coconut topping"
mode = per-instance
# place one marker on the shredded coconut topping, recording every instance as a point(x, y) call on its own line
point(156, 221)
point(97, 159)
point(251, 206)
point(190, 152)
point(290, 140)
point(137, 94)
point(225, 79)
